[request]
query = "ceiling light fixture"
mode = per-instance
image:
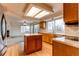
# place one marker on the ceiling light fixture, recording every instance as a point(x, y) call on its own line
point(33, 11)
point(43, 13)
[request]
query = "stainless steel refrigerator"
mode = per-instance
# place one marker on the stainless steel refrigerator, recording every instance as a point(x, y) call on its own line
point(3, 32)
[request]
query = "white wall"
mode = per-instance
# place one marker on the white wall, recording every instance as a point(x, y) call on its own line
point(13, 26)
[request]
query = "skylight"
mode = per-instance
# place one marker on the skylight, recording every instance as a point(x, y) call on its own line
point(43, 13)
point(33, 11)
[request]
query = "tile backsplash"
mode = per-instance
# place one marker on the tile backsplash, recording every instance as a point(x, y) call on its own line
point(72, 30)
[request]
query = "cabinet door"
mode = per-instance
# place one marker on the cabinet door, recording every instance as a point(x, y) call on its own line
point(39, 42)
point(71, 51)
point(43, 37)
point(58, 49)
point(30, 44)
point(61, 49)
point(70, 12)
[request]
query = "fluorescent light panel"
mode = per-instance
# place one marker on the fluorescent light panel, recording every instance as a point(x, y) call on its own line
point(33, 11)
point(43, 13)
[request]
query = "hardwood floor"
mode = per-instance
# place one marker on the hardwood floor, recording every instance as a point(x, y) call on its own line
point(46, 51)
point(17, 50)
point(13, 50)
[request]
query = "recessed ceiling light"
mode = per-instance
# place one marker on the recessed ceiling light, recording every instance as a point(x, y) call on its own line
point(33, 11)
point(43, 13)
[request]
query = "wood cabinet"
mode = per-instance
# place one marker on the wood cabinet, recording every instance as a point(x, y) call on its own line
point(42, 24)
point(39, 43)
point(47, 37)
point(78, 12)
point(70, 12)
point(61, 49)
point(32, 43)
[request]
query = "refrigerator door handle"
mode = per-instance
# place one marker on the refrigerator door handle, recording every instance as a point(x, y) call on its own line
point(3, 27)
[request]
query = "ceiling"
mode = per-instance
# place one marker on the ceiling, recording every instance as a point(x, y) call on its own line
point(17, 10)
point(14, 6)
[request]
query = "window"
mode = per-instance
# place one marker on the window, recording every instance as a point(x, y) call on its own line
point(36, 28)
point(59, 26)
point(30, 28)
point(49, 27)
point(25, 29)
point(55, 26)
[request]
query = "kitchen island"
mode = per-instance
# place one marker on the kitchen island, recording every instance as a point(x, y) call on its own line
point(32, 43)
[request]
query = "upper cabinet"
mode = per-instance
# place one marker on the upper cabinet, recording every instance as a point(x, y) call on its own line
point(70, 12)
point(78, 12)
point(42, 25)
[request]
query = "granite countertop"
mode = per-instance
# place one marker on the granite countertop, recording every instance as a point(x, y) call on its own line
point(67, 41)
point(62, 34)
point(32, 34)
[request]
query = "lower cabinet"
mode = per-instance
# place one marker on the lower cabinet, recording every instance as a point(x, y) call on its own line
point(47, 37)
point(32, 43)
point(61, 49)
point(38, 43)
